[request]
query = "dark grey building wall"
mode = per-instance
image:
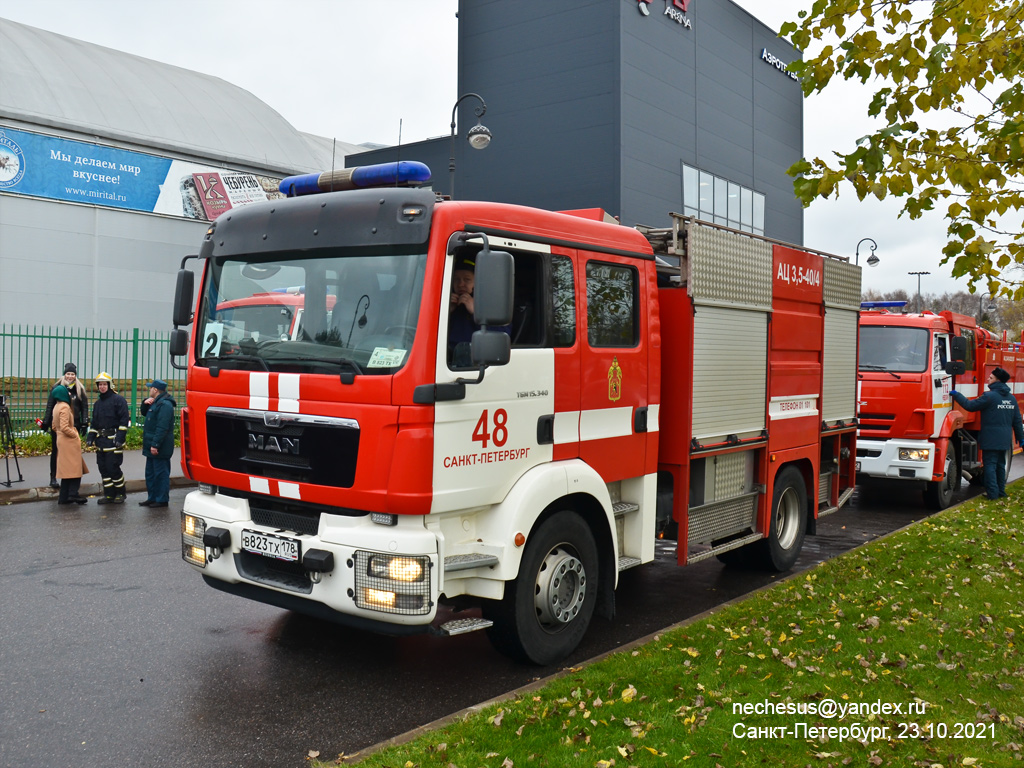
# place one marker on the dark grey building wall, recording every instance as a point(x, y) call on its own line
point(593, 104)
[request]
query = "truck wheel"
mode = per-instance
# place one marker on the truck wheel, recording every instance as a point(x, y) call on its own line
point(938, 494)
point(789, 521)
point(548, 607)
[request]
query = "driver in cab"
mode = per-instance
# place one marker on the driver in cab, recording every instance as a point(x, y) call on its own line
point(461, 325)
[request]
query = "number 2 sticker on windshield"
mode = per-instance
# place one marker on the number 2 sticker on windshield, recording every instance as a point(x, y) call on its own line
point(213, 333)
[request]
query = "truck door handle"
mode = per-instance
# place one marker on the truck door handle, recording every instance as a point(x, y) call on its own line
point(640, 419)
point(546, 429)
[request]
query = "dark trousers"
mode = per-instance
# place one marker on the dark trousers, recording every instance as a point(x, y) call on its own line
point(995, 473)
point(69, 488)
point(53, 454)
point(108, 462)
point(158, 479)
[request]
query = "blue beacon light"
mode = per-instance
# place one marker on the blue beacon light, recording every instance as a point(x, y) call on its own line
point(881, 304)
point(402, 173)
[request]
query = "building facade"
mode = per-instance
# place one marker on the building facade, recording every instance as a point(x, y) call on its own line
point(639, 107)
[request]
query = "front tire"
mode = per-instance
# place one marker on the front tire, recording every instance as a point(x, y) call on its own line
point(788, 523)
point(939, 494)
point(547, 608)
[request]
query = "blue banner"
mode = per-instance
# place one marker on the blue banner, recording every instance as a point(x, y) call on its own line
point(61, 169)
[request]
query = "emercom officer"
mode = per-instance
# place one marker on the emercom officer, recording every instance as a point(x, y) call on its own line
point(1000, 423)
point(157, 443)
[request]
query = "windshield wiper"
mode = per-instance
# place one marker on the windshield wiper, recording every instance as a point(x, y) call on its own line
point(864, 367)
point(220, 362)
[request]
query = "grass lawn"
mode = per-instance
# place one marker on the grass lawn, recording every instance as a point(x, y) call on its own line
point(904, 652)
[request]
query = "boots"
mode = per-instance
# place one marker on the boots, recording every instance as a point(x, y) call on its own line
point(54, 482)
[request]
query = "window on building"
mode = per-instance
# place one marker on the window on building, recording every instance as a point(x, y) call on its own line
point(720, 201)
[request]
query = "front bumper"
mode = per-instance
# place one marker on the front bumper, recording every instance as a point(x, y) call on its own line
point(881, 458)
point(357, 590)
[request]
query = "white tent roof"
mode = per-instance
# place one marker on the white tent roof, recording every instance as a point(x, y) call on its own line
point(61, 83)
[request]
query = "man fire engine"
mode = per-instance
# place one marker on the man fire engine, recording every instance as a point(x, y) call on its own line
point(909, 363)
point(692, 382)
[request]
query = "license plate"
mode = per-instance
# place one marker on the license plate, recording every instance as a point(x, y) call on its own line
point(269, 545)
point(858, 466)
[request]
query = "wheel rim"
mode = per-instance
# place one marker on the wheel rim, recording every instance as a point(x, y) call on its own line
point(787, 519)
point(561, 588)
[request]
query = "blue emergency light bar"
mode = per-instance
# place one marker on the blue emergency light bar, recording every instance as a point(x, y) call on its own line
point(881, 304)
point(401, 174)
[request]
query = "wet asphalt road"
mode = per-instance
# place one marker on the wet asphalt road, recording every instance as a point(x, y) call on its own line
point(114, 653)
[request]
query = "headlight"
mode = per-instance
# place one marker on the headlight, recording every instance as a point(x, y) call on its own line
point(915, 454)
point(392, 583)
point(395, 568)
point(192, 548)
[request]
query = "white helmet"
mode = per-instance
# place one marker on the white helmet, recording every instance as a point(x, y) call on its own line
point(104, 376)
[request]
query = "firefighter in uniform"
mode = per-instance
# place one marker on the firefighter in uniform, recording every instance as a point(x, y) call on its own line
point(107, 432)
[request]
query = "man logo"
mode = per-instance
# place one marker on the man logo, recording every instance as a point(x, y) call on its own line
point(271, 444)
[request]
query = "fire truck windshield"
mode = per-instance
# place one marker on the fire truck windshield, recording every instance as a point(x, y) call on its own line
point(894, 348)
point(342, 310)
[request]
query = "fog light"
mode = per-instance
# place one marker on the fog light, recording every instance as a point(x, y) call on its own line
point(915, 454)
point(208, 489)
point(376, 598)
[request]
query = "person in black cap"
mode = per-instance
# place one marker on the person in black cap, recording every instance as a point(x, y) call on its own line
point(157, 443)
point(71, 465)
point(79, 409)
point(1000, 423)
point(461, 324)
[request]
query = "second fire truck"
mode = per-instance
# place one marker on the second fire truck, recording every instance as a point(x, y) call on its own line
point(909, 427)
point(690, 382)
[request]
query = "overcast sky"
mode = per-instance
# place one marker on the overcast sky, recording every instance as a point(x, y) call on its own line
point(356, 71)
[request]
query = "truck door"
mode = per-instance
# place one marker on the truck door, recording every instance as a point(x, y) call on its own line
point(614, 383)
point(942, 382)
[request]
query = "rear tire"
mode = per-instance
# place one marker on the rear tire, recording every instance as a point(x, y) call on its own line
point(781, 549)
point(547, 608)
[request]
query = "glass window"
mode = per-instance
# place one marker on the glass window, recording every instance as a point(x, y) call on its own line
point(721, 200)
point(758, 213)
point(734, 205)
point(691, 187)
point(894, 348)
point(563, 298)
point(612, 291)
point(747, 209)
point(939, 355)
point(706, 204)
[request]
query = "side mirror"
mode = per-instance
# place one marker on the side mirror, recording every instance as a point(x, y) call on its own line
point(493, 284)
point(958, 348)
point(957, 368)
point(490, 348)
point(179, 342)
point(183, 289)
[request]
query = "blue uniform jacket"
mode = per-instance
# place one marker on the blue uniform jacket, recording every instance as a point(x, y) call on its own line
point(1000, 417)
point(158, 430)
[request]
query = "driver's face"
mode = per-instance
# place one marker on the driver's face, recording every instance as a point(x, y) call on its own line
point(463, 281)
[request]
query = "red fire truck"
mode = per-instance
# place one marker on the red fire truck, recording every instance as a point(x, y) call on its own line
point(909, 429)
point(265, 314)
point(690, 382)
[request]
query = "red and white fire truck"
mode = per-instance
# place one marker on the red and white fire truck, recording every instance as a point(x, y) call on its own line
point(909, 428)
point(266, 314)
point(690, 382)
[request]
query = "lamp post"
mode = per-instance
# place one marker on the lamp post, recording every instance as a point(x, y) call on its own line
point(478, 136)
point(983, 309)
point(919, 287)
point(872, 259)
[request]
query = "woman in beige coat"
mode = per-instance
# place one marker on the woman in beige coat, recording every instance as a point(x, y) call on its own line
point(70, 463)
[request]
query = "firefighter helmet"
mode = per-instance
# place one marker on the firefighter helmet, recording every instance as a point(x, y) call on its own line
point(104, 376)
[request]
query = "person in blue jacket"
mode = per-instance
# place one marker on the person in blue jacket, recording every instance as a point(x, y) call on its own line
point(1000, 423)
point(158, 443)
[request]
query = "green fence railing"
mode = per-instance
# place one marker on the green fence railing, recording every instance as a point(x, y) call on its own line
point(32, 358)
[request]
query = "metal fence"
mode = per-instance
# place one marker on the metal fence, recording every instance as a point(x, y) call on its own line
point(32, 358)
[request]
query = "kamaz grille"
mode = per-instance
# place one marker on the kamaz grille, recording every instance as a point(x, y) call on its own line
point(290, 447)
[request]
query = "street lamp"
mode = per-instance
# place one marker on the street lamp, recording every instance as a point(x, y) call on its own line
point(983, 308)
point(478, 136)
point(919, 287)
point(872, 259)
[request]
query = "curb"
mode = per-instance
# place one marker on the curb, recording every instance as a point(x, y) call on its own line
point(20, 495)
